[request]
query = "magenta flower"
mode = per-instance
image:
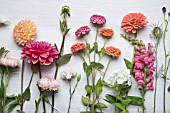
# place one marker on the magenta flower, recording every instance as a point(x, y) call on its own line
point(82, 31)
point(48, 83)
point(98, 19)
point(40, 52)
point(144, 61)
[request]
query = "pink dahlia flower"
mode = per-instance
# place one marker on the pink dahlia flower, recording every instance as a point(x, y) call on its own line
point(78, 47)
point(133, 21)
point(48, 83)
point(9, 62)
point(82, 31)
point(98, 19)
point(40, 52)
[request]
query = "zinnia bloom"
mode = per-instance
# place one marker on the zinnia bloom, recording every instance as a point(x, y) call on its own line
point(41, 52)
point(106, 32)
point(25, 32)
point(78, 47)
point(113, 51)
point(82, 31)
point(67, 75)
point(9, 62)
point(98, 19)
point(133, 21)
point(48, 83)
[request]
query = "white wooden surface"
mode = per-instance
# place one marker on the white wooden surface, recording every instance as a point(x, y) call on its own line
point(46, 15)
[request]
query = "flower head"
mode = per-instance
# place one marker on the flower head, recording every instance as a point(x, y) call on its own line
point(98, 19)
point(65, 9)
point(41, 52)
point(133, 21)
point(78, 47)
point(25, 32)
point(48, 83)
point(9, 62)
point(113, 51)
point(82, 31)
point(106, 32)
point(121, 77)
point(68, 74)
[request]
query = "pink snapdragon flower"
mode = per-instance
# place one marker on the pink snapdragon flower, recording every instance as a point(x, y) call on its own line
point(98, 19)
point(82, 31)
point(144, 61)
point(48, 83)
point(41, 52)
point(9, 62)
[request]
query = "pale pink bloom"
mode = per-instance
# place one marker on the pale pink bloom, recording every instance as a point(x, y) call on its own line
point(98, 19)
point(82, 31)
point(141, 83)
point(9, 62)
point(48, 83)
point(149, 86)
point(68, 74)
point(40, 52)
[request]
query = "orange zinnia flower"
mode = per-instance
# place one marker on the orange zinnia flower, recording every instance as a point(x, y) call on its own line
point(106, 32)
point(24, 32)
point(112, 51)
point(133, 21)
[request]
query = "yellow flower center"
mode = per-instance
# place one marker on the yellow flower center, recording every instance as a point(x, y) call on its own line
point(133, 20)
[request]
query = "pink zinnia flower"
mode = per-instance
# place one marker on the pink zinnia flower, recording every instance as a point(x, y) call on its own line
point(9, 62)
point(78, 47)
point(41, 52)
point(48, 83)
point(133, 21)
point(82, 31)
point(98, 19)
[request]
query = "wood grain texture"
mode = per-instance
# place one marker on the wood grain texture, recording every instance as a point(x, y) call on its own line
point(46, 15)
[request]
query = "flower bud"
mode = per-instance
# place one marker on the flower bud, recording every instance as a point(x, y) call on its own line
point(65, 9)
point(79, 78)
point(34, 68)
point(169, 88)
point(157, 32)
point(169, 14)
point(164, 9)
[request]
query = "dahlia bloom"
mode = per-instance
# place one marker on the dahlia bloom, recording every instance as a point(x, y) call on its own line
point(69, 74)
point(24, 32)
point(48, 83)
point(120, 77)
point(113, 51)
point(144, 60)
point(133, 21)
point(106, 32)
point(78, 47)
point(9, 62)
point(98, 19)
point(41, 52)
point(82, 31)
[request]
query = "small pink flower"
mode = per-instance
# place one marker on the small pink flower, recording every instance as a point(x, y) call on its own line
point(41, 52)
point(141, 83)
point(69, 74)
point(78, 47)
point(82, 31)
point(98, 19)
point(149, 78)
point(149, 86)
point(48, 83)
point(9, 62)
point(139, 65)
point(138, 76)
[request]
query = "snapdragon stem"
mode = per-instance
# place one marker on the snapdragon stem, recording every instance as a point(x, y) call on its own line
point(156, 79)
point(22, 79)
point(40, 75)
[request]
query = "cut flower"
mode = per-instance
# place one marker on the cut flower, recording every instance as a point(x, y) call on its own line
point(78, 47)
point(41, 52)
point(82, 31)
point(106, 32)
point(69, 74)
point(98, 19)
point(113, 51)
point(9, 62)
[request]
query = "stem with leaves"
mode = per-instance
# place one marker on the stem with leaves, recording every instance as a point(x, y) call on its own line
point(22, 79)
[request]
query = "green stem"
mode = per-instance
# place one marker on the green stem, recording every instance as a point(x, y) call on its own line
point(143, 100)
point(31, 79)
point(70, 96)
point(107, 68)
point(81, 55)
point(97, 32)
point(156, 79)
point(22, 79)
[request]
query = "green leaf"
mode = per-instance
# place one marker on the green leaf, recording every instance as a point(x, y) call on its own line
point(96, 47)
point(88, 89)
point(92, 49)
point(126, 102)
point(86, 101)
point(64, 59)
point(27, 94)
point(135, 100)
point(88, 70)
point(100, 105)
point(110, 98)
point(19, 111)
point(88, 112)
point(120, 106)
point(1, 88)
point(99, 87)
point(1, 108)
point(129, 65)
point(84, 66)
point(37, 104)
point(88, 46)
point(62, 26)
point(11, 106)
point(102, 51)
point(124, 111)
point(125, 89)
point(46, 99)
point(97, 65)
point(3, 51)
point(10, 98)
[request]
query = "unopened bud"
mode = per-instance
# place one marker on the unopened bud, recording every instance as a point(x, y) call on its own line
point(157, 32)
point(79, 78)
point(65, 9)
point(164, 9)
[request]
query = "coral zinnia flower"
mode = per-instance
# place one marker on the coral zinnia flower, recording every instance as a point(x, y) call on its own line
point(78, 47)
point(106, 32)
point(41, 52)
point(9, 62)
point(133, 21)
point(82, 31)
point(24, 32)
point(98, 19)
point(48, 83)
point(112, 51)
